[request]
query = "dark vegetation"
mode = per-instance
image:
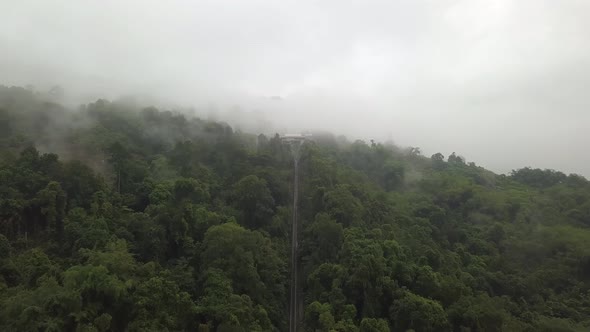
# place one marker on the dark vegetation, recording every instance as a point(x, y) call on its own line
point(146, 220)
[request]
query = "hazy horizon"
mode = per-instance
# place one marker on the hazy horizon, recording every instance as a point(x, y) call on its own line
point(500, 83)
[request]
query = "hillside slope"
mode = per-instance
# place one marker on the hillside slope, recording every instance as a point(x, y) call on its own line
point(114, 217)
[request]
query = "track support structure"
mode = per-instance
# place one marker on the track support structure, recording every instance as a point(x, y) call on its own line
point(295, 141)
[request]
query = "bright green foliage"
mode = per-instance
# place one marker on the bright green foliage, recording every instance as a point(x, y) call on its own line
point(374, 325)
point(149, 220)
point(319, 317)
point(248, 259)
point(415, 312)
point(161, 305)
point(49, 307)
point(226, 310)
point(32, 265)
point(341, 204)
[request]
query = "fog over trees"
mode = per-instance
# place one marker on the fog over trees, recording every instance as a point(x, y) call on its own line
point(503, 82)
point(147, 184)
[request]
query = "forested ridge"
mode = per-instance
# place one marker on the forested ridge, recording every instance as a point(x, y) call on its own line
point(115, 217)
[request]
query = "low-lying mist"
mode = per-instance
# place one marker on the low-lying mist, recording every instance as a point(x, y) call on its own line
point(501, 83)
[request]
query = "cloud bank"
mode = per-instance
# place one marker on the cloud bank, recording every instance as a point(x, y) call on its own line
point(503, 83)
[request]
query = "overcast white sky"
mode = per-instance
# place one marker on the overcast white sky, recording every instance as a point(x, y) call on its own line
point(502, 82)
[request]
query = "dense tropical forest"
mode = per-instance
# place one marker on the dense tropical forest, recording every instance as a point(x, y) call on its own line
point(116, 217)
